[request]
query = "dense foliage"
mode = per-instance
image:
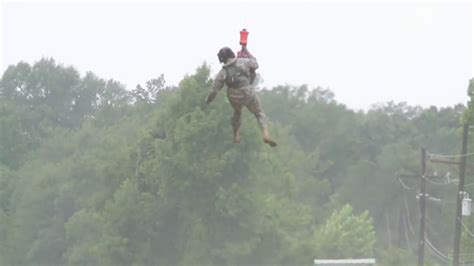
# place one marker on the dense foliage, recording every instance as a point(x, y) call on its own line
point(94, 174)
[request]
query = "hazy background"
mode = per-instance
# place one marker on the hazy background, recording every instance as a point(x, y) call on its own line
point(365, 52)
point(92, 173)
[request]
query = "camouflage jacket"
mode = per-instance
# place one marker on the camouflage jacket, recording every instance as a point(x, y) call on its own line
point(236, 73)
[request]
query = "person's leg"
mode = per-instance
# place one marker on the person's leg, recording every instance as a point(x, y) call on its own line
point(254, 106)
point(236, 120)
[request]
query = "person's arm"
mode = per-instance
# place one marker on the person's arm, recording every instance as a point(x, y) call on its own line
point(217, 85)
point(251, 63)
point(251, 60)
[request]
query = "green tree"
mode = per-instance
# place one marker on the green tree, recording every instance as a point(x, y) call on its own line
point(34, 100)
point(93, 174)
point(346, 235)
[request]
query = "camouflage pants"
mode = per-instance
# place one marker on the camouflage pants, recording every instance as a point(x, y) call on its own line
point(241, 97)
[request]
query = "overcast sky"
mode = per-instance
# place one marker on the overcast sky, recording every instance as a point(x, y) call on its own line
point(366, 52)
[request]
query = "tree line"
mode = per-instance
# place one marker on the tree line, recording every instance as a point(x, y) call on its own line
point(94, 174)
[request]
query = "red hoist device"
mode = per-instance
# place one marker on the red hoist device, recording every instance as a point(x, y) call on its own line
point(243, 41)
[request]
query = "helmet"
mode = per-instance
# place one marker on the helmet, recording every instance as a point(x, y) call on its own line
point(224, 54)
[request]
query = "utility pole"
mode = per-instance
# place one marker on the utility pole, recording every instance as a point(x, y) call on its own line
point(459, 196)
point(422, 196)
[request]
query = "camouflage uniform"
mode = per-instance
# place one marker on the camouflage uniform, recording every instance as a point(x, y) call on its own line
point(237, 74)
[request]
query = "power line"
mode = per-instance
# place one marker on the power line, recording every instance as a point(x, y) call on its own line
point(452, 182)
point(408, 225)
point(429, 181)
point(408, 214)
point(439, 253)
point(436, 251)
point(406, 234)
point(468, 185)
point(449, 156)
point(404, 185)
point(434, 182)
point(423, 235)
point(456, 182)
point(465, 227)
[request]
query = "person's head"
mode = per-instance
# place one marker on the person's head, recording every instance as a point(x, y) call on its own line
point(224, 54)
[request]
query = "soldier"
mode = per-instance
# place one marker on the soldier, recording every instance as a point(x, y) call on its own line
point(239, 74)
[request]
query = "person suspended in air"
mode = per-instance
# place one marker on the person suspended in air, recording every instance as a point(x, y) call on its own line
point(238, 74)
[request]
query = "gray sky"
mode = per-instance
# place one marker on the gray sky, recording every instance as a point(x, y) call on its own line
point(364, 52)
